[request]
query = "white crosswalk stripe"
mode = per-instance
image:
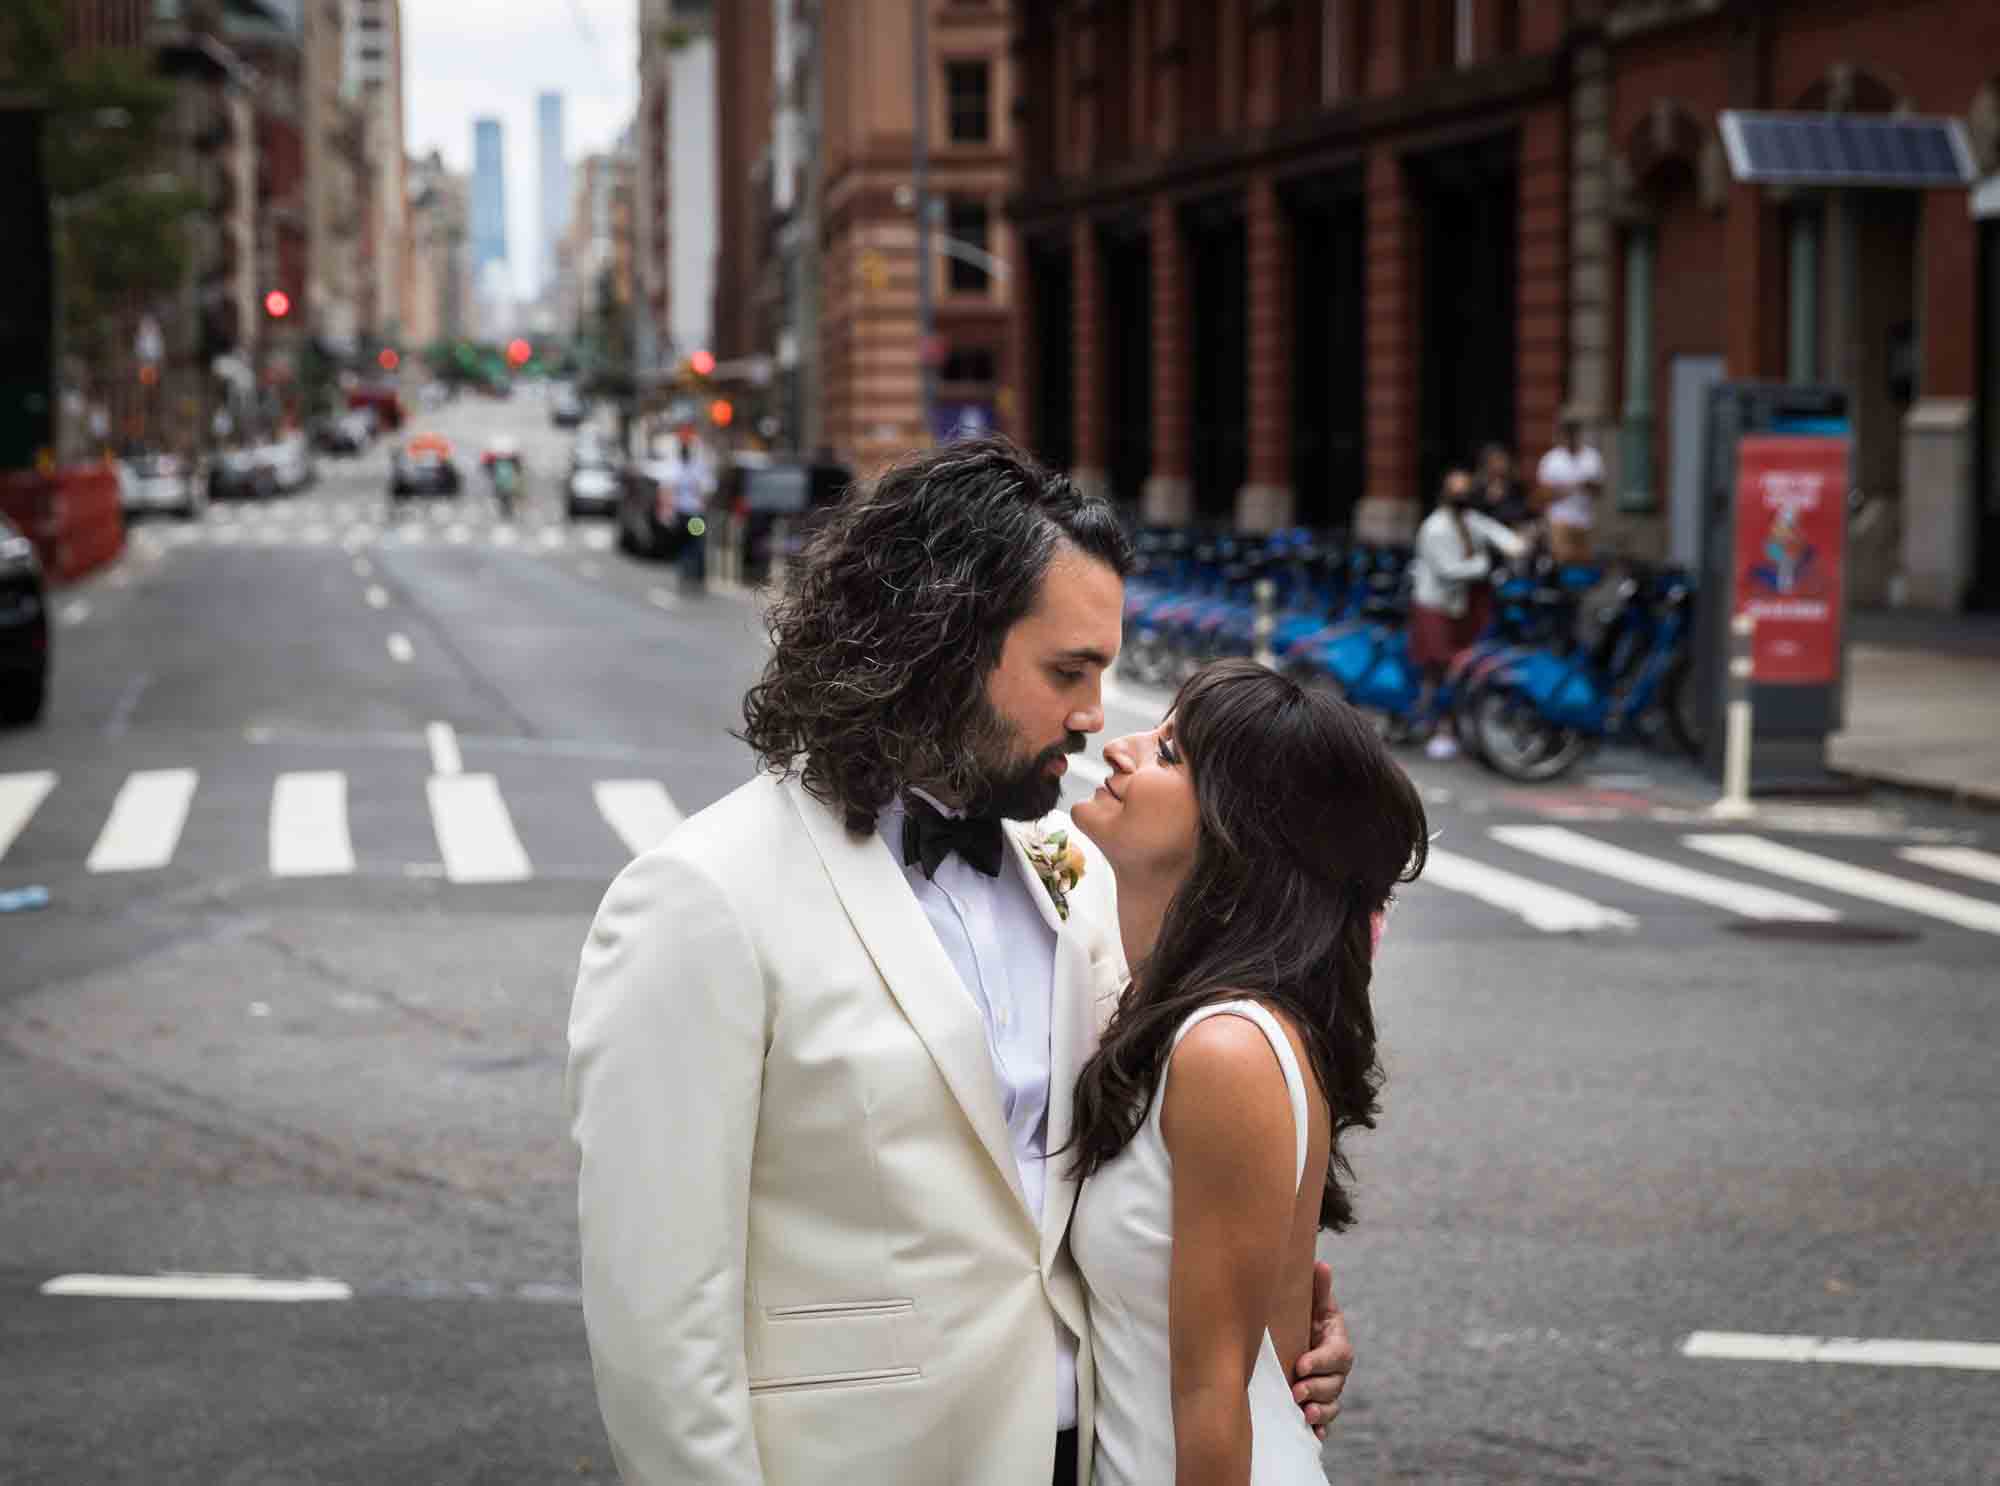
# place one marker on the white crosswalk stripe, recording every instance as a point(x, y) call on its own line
point(1963, 860)
point(1573, 848)
point(145, 823)
point(1549, 909)
point(21, 795)
point(1856, 882)
point(639, 810)
point(309, 826)
point(475, 833)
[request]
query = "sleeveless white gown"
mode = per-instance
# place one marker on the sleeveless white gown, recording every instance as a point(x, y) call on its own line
point(1122, 1238)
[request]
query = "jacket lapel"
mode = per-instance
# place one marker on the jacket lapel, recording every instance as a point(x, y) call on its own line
point(1071, 1040)
point(891, 923)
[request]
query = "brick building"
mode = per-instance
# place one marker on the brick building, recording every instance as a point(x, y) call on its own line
point(1287, 261)
point(1865, 279)
point(1284, 260)
point(871, 377)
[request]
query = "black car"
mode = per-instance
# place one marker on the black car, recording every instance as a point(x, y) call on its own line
point(423, 467)
point(24, 629)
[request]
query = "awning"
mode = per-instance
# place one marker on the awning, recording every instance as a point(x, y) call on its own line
point(1817, 149)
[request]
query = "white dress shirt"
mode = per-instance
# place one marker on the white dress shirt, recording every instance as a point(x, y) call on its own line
point(1005, 955)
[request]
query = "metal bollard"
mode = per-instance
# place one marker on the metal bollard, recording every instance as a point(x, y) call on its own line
point(1735, 802)
point(1265, 593)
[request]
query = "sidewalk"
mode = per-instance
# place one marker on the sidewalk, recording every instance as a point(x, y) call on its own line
point(1923, 703)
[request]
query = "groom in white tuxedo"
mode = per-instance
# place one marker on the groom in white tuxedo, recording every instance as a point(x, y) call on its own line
point(825, 1036)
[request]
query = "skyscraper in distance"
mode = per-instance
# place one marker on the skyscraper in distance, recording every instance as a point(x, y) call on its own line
point(489, 196)
point(553, 182)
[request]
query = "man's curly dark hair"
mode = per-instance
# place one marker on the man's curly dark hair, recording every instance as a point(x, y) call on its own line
point(896, 613)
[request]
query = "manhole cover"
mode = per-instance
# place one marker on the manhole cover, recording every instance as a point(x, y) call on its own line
point(1812, 931)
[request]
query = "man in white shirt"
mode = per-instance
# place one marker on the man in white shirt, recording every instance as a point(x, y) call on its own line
point(1569, 481)
point(826, 1034)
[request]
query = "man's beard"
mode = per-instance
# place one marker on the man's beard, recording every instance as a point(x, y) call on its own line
point(1010, 787)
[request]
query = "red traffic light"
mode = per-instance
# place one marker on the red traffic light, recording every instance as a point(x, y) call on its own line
point(703, 363)
point(519, 352)
point(277, 304)
point(388, 360)
point(721, 412)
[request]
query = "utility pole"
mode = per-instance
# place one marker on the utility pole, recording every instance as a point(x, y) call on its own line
point(920, 64)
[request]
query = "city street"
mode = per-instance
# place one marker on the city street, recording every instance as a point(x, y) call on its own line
point(323, 803)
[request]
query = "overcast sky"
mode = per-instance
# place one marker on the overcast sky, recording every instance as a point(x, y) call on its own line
point(463, 61)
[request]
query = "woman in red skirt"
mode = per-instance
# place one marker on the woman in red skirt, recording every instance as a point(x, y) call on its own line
point(1451, 601)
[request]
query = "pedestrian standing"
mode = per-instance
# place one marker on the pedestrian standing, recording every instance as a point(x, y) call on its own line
point(693, 484)
point(1501, 493)
point(1569, 481)
point(1450, 599)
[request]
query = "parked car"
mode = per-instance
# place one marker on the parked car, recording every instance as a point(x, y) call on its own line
point(24, 629)
point(242, 473)
point(647, 524)
point(350, 433)
point(291, 462)
point(594, 480)
point(383, 402)
point(149, 480)
point(423, 466)
point(567, 409)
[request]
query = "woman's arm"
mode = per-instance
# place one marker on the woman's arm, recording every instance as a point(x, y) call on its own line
point(1227, 1122)
point(1449, 559)
point(1496, 534)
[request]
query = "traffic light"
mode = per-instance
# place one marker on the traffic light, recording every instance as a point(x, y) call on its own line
point(277, 304)
point(702, 363)
point(388, 360)
point(519, 352)
point(721, 412)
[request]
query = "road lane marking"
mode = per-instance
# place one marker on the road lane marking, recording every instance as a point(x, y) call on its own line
point(1966, 861)
point(445, 758)
point(662, 599)
point(1750, 1346)
point(309, 835)
point(194, 1287)
point(377, 596)
point(363, 567)
point(316, 535)
point(475, 834)
point(639, 810)
point(597, 540)
point(1574, 849)
point(145, 823)
point(75, 612)
point(458, 536)
point(505, 536)
point(1856, 882)
point(1549, 909)
point(21, 795)
point(415, 536)
point(552, 536)
point(401, 649)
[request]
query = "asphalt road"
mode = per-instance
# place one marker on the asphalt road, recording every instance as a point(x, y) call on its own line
point(327, 795)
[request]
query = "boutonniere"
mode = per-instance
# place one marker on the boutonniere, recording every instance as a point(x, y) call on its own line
point(1059, 863)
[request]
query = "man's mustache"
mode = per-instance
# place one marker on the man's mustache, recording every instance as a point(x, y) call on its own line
point(1074, 743)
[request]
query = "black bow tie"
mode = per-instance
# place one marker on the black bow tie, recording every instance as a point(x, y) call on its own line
point(929, 836)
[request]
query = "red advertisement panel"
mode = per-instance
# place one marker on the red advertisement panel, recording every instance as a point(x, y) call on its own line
point(1791, 538)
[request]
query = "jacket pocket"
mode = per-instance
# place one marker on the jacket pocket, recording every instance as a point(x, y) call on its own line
point(838, 1310)
point(874, 1378)
point(835, 1343)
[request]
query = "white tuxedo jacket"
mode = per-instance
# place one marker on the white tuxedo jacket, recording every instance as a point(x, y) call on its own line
point(807, 1259)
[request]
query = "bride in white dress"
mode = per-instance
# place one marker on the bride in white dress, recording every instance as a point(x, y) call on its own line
point(1257, 835)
